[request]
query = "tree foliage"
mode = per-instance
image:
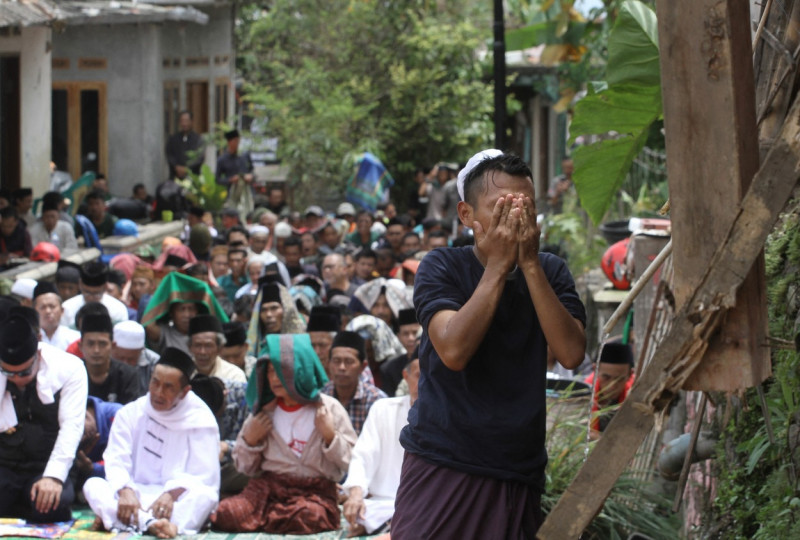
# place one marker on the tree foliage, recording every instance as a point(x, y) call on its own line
point(335, 78)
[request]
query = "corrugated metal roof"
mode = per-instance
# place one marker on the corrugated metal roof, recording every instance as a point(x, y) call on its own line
point(27, 12)
point(43, 12)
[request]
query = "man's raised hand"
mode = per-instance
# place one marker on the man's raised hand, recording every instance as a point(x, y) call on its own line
point(529, 232)
point(499, 243)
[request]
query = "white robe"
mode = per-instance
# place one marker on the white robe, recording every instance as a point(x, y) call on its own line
point(152, 452)
point(62, 338)
point(378, 458)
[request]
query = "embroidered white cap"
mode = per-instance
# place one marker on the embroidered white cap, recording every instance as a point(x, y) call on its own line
point(256, 230)
point(129, 335)
point(471, 164)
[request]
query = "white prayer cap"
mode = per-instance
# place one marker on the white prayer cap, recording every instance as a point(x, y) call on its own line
point(378, 227)
point(471, 164)
point(129, 335)
point(259, 229)
point(283, 230)
point(24, 287)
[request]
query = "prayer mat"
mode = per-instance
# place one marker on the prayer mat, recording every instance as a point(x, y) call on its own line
point(18, 528)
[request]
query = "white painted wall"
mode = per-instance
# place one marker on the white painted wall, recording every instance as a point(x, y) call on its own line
point(33, 47)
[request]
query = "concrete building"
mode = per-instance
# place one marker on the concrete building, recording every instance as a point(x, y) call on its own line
point(105, 81)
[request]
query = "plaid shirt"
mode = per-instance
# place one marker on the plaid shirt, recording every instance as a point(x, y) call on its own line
point(365, 396)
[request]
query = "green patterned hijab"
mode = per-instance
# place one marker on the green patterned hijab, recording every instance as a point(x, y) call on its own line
point(297, 366)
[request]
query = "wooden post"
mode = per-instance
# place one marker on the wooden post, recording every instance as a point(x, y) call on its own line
point(682, 349)
point(712, 154)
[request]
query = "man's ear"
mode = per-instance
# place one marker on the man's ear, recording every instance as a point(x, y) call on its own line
point(465, 213)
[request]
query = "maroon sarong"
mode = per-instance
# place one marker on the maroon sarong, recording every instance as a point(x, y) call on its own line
point(281, 504)
point(438, 502)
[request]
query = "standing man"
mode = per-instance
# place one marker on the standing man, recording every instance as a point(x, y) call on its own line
point(162, 469)
point(184, 149)
point(475, 453)
point(233, 167)
point(42, 408)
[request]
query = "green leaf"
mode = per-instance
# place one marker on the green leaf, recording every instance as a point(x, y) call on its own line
point(625, 109)
point(633, 46)
point(755, 456)
point(600, 169)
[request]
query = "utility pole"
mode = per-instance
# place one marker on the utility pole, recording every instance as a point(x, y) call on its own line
point(499, 77)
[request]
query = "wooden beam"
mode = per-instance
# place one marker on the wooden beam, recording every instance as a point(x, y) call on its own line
point(712, 154)
point(682, 349)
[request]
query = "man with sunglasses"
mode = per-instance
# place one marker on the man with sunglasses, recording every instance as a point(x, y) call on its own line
point(43, 393)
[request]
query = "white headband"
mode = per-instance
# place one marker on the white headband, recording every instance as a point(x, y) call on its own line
point(471, 164)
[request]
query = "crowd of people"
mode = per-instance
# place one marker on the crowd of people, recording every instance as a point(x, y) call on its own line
point(261, 372)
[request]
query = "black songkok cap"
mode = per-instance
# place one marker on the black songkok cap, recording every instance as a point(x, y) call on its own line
point(407, 316)
point(177, 359)
point(27, 313)
point(6, 303)
point(270, 293)
point(174, 260)
point(235, 333)
point(352, 340)
point(232, 134)
point(210, 389)
point(68, 272)
point(615, 352)
point(18, 342)
point(94, 274)
point(324, 319)
point(44, 287)
point(204, 323)
point(97, 323)
point(196, 211)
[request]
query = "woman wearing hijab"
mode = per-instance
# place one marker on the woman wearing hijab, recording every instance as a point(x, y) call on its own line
point(296, 444)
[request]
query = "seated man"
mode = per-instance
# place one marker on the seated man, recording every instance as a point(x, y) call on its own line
point(374, 473)
point(236, 348)
point(615, 378)
point(45, 388)
point(161, 461)
point(128, 348)
point(109, 380)
point(94, 277)
point(47, 303)
point(206, 340)
point(348, 359)
point(296, 446)
point(89, 461)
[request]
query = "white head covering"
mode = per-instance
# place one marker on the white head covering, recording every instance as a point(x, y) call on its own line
point(129, 335)
point(283, 230)
point(24, 287)
point(259, 229)
point(471, 164)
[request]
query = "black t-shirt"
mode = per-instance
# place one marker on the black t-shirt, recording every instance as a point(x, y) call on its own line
point(489, 419)
point(121, 385)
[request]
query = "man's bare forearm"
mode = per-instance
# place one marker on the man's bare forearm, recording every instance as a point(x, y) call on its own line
point(456, 335)
point(565, 334)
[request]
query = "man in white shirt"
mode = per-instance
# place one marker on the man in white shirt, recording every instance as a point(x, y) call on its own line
point(49, 228)
point(374, 473)
point(206, 339)
point(43, 394)
point(47, 304)
point(94, 276)
point(162, 469)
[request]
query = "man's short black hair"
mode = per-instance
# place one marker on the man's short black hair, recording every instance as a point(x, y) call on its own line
point(366, 254)
point(94, 194)
point(7, 212)
point(184, 111)
point(409, 235)
point(137, 187)
point(510, 164)
point(437, 234)
point(364, 213)
point(394, 221)
point(293, 241)
point(89, 308)
point(237, 228)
